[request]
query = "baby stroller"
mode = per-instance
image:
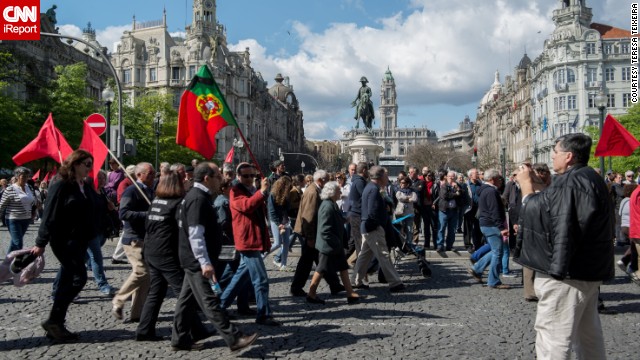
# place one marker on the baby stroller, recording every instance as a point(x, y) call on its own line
point(404, 249)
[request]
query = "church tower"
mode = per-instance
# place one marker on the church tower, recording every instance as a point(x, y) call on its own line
point(204, 17)
point(388, 104)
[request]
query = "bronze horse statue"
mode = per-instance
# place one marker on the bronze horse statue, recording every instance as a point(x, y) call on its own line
point(364, 106)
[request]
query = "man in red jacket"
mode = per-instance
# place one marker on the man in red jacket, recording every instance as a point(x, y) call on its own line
point(252, 239)
point(634, 228)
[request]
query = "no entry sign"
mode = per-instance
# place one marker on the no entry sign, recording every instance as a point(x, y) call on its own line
point(98, 123)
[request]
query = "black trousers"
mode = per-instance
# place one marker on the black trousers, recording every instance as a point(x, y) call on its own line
point(196, 285)
point(417, 220)
point(472, 234)
point(430, 220)
point(308, 256)
point(165, 272)
point(72, 277)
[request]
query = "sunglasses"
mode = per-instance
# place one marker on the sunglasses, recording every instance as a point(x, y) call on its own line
point(246, 176)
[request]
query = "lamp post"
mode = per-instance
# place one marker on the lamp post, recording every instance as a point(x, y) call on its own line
point(503, 158)
point(108, 96)
point(157, 127)
point(474, 157)
point(302, 166)
point(601, 104)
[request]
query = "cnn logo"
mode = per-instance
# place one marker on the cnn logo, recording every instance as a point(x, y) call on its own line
point(20, 20)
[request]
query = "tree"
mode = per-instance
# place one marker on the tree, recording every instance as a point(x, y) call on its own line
point(631, 122)
point(438, 158)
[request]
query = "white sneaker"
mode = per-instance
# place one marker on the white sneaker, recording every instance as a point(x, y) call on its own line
point(285, 268)
point(277, 264)
point(621, 265)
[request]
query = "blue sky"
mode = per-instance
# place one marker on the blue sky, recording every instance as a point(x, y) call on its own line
point(443, 53)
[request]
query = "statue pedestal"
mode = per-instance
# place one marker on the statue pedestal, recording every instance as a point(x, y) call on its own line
point(365, 148)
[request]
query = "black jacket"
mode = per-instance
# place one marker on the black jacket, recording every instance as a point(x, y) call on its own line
point(566, 230)
point(490, 207)
point(355, 194)
point(133, 212)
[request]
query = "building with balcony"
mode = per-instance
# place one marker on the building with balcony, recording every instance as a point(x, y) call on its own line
point(148, 59)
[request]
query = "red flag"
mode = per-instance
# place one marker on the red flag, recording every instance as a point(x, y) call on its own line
point(229, 158)
point(203, 112)
point(615, 140)
point(92, 143)
point(48, 143)
point(36, 176)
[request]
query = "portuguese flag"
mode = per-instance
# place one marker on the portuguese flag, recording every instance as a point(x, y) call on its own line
point(203, 112)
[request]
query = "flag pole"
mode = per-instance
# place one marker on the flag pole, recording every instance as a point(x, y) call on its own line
point(250, 152)
point(129, 176)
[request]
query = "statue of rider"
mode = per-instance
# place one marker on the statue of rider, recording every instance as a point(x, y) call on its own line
point(363, 101)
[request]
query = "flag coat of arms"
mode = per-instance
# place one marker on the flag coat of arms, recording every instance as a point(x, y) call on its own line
point(203, 112)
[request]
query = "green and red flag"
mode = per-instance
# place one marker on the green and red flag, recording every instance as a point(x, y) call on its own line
point(203, 112)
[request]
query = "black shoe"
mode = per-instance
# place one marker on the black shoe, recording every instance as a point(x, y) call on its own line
point(115, 262)
point(201, 336)
point(531, 299)
point(243, 341)
point(397, 288)
point(192, 347)
point(117, 313)
point(297, 292)
point(131, 321)
point(140, 337)
point(58, 332)
point(337, 290)
point(268, 321)
point(440, 249)
point(362, 286)
point(315, 300)
point(247, 312)
point(353, 300)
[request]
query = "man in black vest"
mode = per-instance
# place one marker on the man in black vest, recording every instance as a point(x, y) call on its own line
point(198, 249)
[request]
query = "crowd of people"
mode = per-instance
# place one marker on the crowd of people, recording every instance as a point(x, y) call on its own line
point(206, 232)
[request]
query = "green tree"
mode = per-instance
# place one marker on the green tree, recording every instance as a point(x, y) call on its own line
point(631, 122)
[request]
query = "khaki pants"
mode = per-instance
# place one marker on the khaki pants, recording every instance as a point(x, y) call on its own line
point(137, 284)
point(375, 244)
point(528, 276)
point(568, 319)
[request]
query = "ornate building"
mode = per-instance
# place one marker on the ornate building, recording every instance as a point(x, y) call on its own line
point(148, 59)
point(394, 140)
point(555, 94)
point(460, 140)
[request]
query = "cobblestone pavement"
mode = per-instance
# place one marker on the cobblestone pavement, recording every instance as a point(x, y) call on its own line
point(447, 316)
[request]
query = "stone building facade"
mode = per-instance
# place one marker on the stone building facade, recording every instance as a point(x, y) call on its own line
point(555, 93)
point(149, 59)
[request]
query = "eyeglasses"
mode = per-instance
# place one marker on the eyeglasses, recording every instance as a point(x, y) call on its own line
point(88, 164)
point(246, 176)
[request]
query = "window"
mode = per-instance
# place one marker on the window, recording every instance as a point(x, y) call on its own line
point(592, 100)
point(126, 76)
point(571, 102)
point(611, 100)
point(626, 73)
point(562, 103)
point(608, 48)
point(241, 108)
point(138, 77)
point(387, 123)
point(609, 74)
point(592, 74)
point(559, 77)
point(175, 73)
point(153, 75)
point(241, 86)
point(626, 100)
point(624, 48)
point(192, 71)
point(571, 76)
point(401, 151)
point(591, 48)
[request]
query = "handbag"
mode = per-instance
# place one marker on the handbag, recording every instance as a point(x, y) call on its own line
point(400, 208)
point(228, 253)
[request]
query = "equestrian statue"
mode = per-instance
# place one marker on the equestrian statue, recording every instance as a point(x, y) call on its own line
point(364, 106)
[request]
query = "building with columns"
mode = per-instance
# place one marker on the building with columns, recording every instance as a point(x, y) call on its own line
point(395, 140)
point(555, 94)
point(148, 59)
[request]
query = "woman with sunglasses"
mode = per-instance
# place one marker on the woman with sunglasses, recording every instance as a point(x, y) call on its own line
point(68, 224)
point(18, 201)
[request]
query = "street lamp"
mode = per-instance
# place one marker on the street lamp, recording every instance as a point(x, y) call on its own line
point(503, 158)
point(108, 96)
point(302, 166)
point(474, 157)
point(601, 104)
point(158, 129)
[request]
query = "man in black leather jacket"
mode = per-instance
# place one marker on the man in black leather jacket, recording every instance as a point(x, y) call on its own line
point(566, 235)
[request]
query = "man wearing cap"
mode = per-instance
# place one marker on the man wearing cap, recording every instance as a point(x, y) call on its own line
point(610, 176)
point(278, 171)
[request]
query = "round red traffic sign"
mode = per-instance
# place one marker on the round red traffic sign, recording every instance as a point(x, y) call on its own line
point(98, 123)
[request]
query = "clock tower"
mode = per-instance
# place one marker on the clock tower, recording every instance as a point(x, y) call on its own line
point(388, 104)
point(204, 17)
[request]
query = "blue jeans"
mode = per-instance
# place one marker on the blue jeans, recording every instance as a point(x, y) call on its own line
point(95, 257)
point(17, 229)
point(505, 258)
point(492, 259)
point(280, 241)
point(448, 222)
point(251, 266)
point(407, 227)
point(479, 253)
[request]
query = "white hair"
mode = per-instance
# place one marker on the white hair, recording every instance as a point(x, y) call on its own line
point(491, 174)
point(329, 190)
point(320, 174)
point(470, 171)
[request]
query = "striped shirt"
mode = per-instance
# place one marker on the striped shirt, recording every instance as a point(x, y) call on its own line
point(17, 202)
